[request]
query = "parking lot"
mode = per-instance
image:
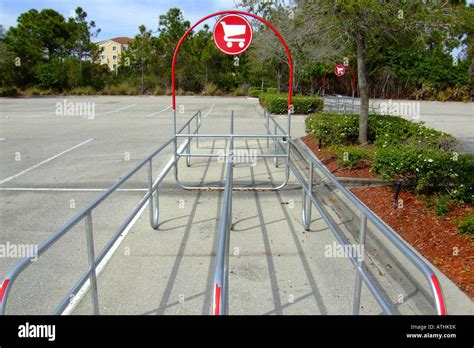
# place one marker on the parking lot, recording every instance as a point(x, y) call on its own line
point(54, 161)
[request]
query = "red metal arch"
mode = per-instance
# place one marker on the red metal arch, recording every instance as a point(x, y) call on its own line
point(268, 24)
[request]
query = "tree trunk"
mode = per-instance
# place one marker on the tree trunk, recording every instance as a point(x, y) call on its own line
point(363, 90)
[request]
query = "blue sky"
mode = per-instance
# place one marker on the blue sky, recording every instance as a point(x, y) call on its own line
point(115, 17)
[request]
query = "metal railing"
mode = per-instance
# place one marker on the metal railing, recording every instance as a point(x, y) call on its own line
point(362, 274)
point(220, 304)
point(152, 196)
point(188, 155)
point(282, 149)
point(347, 105)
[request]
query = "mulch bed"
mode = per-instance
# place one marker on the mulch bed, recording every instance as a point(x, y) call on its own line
point(328, 158)
point(436, 238)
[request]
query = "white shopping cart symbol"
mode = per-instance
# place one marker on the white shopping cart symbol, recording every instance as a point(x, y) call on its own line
point(233, 30)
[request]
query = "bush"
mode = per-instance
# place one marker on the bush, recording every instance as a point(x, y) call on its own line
point(351, 156)
point(427, 170)
point(254, 92)
point(87, 90)
point(211, 89)
point(272, 90)
point(466, 225)
point(8, 92)
point(383, 131)
point(278, 103)
point(123, 88)
point(159, 91)
point(38, 91)
point(442, 206)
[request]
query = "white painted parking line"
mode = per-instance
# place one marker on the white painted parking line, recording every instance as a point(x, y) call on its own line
point(45, 161)
point(158, 112)
point(100, 267)
point(210, 110)
point(3, 139)
point(112, 111)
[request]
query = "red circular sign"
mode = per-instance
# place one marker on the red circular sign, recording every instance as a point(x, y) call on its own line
point(232, 34)
point(340, 70)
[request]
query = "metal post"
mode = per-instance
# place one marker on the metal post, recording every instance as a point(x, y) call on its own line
point(360, 264)
point(154, 205)
point(175, 145)
point(198, 121)
point(232, 122)
point(188, 147)
point(267, 126)
point(307, 201)
point(91, 254)
point(277, 150)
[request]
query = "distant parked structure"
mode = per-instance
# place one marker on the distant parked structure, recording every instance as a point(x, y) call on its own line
point(111, 50)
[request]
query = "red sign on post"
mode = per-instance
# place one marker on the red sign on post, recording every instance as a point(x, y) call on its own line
point(232, 34)
point(340, 70)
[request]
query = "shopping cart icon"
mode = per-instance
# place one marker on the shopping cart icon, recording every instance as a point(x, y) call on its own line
point(233, 30)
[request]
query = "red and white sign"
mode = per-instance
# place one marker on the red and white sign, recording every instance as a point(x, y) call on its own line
point(232, 34)
point(340, 70)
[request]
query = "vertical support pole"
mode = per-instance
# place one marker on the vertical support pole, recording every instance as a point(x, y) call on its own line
point(188, 147)
point(198, 123)
point(175, 145)
point(360, 264)
point(277, 147)
point(307, 201)
point(288, 143)
point(92, 265)
point(232, 122)
point(267, 126)
point(154, 204)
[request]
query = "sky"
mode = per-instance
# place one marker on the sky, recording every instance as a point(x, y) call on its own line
point(115, 17)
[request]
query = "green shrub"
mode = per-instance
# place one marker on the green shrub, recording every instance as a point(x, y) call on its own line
point(210, 89)
point(123, 88)
point(442, 206)
point(87, 90)
point(304, 105)
point(271, 90)
point(351, 156)
point(254, 92)
point(466, 225)
point(427, 170)
point(333, 129)
point(278, 103)
point(383, 131)
point(159, 91)
point(8, 92)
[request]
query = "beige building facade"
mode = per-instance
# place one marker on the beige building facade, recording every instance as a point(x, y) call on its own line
point(111, 50)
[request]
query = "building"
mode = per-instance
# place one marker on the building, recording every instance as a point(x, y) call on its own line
point(111, 50)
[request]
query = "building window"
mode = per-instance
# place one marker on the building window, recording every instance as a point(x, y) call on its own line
point(114, 48)
point(115, 66)
point(114, 57)
point(102, 57)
